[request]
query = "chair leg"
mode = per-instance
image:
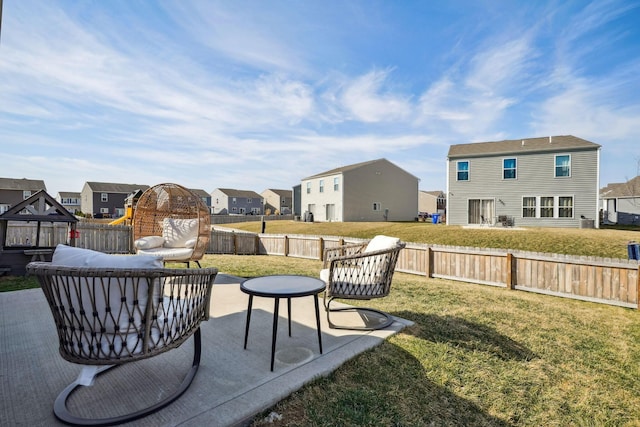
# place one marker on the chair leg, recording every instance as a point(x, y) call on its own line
point(62, 413)
point(384, 319)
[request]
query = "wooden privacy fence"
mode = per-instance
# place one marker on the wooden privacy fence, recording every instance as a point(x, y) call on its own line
point(601, 280)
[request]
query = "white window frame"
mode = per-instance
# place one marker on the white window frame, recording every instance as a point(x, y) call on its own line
point(336, 184)
point(514, 169)
point(556, 206)
point(555, 166)
point(377, 206)
point(321, 186)
point(104, 197)
point(104, 210)
point(458, 171)
point(308, 187)
point(26, 194)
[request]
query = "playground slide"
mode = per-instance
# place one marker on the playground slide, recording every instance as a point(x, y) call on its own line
point(122, 219)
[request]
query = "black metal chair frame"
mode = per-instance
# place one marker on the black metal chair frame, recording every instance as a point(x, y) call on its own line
point(375, 273)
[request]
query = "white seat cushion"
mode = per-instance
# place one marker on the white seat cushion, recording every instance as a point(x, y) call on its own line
point(168, 254)
point(149, 242)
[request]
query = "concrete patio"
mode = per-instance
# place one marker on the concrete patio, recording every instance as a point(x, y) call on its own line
point(232, 385)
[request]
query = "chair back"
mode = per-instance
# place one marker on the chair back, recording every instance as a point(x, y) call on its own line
point(107, 316)
point(364, 275)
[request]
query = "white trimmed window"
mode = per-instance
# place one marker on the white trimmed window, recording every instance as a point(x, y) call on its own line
point(462, 170)
point(336, 184)
point(104, 197)
point(377, 206)
point(321, 186)
point(509, 168)
point(563, 166)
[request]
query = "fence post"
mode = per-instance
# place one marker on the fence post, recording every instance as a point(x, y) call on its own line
point(256, 245)
point(286, 245)
point(235, 243)
point(509, 270)
point(638, 289)
point(429, 260)
point(321, 248)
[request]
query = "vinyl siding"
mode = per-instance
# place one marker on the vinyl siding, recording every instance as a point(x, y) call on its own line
point(535, 178)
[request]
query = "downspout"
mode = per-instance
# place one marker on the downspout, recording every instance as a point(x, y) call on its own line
point(597, 217)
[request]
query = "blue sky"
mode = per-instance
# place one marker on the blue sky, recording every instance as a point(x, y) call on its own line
point(259, 94)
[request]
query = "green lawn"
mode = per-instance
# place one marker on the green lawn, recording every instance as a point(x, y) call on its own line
point(477, 355)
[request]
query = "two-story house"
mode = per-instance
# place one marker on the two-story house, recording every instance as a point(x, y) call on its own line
point(14, 191)
point(376, 190)
point(277, 201)
point(432, 201)
point(106, 199)
point(206, 197)
point(225, 201)
point(70, 200)
point(537, 182)
point(621, 202)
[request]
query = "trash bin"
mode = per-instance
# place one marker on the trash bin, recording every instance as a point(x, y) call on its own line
point(633, 249)
point(310, 216)
point(435, 218)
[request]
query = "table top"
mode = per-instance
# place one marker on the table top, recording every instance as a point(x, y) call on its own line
point(282, 286)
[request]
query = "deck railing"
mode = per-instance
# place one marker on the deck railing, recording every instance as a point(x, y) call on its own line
point(601, 280)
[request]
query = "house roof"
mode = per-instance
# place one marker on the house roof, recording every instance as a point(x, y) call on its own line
point(630, 188)
point(436, 193)
point(347, 168)
point(69, 194)
point(515, 146)
point(280, 193)
point(200, 193)
point(239, 193)
point(112, 187)
point(22, 184)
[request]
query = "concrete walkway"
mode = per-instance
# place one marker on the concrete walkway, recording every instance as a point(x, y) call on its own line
point(232, 386)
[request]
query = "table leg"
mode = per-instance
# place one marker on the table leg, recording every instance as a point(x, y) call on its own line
point(315, 297)
point(246, 330)
point(289, 313)
point(275, 331)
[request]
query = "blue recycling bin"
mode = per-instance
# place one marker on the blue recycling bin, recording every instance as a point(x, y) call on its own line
point(633, 249)
point(435, 218)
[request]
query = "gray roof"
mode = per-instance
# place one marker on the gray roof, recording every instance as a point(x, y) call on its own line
point(240, 193)
point(199, 192)
point(515, 146)
point(630, 188)
point(343, 169)
point(112, 187)
point(281, 193)
point(22, 184)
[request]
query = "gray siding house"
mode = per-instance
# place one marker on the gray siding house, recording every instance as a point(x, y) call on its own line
point(376, 190)
point(106, 199)
point(279, 201)
point(621, 202)
point(536, 182)
point(432, 202)
point(14, 191)
point(225, 201)
point(206, 197)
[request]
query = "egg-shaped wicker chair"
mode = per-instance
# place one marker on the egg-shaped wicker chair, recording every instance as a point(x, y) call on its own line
point(171, 221)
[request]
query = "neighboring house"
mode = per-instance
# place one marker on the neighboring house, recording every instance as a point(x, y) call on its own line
point(227, 201)
point(277, 201)
point(106, 199)
point(621, 202)
point(14, 191)
point(206, 197)
point(432, 201)
point(70, 201)
point(376, 190)
point(296, 195)
point(543, 182)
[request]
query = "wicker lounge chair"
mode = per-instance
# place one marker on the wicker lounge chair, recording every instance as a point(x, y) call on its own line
point(172, 222)
point(361, 271)
point(123, 309)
